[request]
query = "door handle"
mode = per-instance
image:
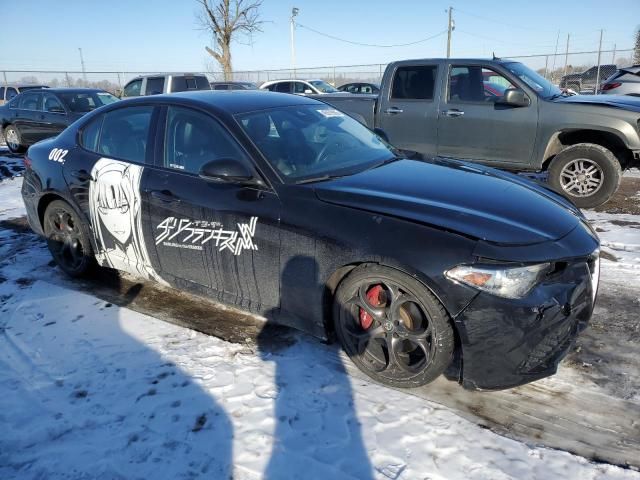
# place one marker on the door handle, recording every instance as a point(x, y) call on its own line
point(393, 111)
point(82, 175)
point(164, 196)
point(453, 113)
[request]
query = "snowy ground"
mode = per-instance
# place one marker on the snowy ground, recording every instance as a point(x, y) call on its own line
point(90, 389)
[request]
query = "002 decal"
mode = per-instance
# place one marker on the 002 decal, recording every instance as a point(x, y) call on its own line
point(114, 199)
point(193, 234)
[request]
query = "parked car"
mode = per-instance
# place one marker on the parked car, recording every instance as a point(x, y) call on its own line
point(8, 91)
point(360, 87)
point(586, 81)
point(287, 207)
point(233, 86)
point(300, 87)
point(442, 107)
point(165, 83)
point(38, 114)
point(626, 81)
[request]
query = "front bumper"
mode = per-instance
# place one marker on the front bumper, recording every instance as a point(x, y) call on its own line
point(506, 343)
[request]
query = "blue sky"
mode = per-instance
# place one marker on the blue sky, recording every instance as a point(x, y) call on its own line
point(163, 34)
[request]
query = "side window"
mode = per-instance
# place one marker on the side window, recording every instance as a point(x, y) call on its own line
point(283, 87)
point(299, 87)
point(52, 104)
point(221, 87)
point(414, 83)
point(11, 92)
point(125, 133)
point(1, 93)
point(132, 89)
point(154, 86)
point(193, 138)
point(90, 133)
point(476, 84)
point(30, 101)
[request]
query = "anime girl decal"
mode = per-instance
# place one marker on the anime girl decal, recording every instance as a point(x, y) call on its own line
point(114, 199)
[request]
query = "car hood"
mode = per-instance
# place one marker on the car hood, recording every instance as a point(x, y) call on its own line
point(625, 102)
point(472, 200)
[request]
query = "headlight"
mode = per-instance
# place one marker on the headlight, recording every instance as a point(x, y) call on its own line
point(509, 282)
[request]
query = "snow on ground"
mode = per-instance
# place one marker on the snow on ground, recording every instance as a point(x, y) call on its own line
point(92, 390)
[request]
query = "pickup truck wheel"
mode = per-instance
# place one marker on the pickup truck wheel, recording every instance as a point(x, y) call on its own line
point(392, 327)
point(586, 173)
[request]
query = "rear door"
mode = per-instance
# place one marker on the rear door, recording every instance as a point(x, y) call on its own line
point(220, 236)
point(54, 115)
point(409, 114)
point(105, 175)
point(474, 125)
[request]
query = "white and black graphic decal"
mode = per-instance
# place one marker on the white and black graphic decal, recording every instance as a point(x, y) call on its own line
point(114, 199)
point(194, 234)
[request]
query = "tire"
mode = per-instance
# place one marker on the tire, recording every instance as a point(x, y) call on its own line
point(392, 327)
point(68, 239)
point(13, 139)
point(590, 163)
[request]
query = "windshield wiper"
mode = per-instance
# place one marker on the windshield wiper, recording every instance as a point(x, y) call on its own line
point(319, 178)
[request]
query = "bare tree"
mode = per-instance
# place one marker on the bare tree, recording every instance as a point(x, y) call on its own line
point(636, 48)
point(229, 21)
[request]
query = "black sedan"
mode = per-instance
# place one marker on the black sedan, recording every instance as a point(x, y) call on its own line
point(291, 209)
point(38, 114)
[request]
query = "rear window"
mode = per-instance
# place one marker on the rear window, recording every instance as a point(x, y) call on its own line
point(414, 82)
point(184, 83)
point(90, 133)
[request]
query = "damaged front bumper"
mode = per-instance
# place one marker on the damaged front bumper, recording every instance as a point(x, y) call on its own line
point(509, 342)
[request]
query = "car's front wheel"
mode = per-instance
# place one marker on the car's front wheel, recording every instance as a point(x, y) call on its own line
point(586, 173)
point(13, 139)
point(392, 327)
point(68, 239)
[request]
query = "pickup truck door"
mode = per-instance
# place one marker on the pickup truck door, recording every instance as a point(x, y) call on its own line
point(408, 113)
point(472, 125)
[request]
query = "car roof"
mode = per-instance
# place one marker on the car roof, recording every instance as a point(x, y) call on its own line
point(74, 90)
point(23, 85)
point(229, 101)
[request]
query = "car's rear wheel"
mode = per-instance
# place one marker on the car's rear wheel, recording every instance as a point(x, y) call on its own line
point(392, 327)
point(586, 173)
point(13, 139)
point(68, 239)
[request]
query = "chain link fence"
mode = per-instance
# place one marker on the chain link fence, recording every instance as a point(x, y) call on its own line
point(551, 66)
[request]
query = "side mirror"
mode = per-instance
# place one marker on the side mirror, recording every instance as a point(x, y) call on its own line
point(382, 134)
point(514, 97)
point(228, 170)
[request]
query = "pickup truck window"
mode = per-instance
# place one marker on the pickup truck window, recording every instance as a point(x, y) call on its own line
point(132, 89)
point(154, 86)
point(474, 83)
point(414, 82)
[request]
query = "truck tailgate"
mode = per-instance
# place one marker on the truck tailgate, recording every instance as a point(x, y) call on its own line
point(362, 107)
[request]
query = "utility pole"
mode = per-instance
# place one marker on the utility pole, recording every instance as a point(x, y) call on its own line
point(294, 13)
point(450, 28)
point(597, 87)
point(555, 55)
point(84, 73)
point(566, 55)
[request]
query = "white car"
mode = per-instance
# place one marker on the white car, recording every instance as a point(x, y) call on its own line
point(300, 87)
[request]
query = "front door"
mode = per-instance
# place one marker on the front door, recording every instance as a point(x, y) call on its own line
point(220, 236)
point(26, 116)
point(473, 125)
point(54, 116)
point(410, 116)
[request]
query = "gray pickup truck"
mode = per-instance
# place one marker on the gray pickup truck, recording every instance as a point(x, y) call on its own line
point(503, 114)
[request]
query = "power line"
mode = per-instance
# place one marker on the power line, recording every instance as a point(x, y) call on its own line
point(370, 44)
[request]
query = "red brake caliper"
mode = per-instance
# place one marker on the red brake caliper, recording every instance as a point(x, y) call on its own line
point(373, 298)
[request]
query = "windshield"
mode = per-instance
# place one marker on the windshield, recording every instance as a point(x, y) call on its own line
point(83, 102)
point(308, 141)
point(323, 86)
point(541, 85)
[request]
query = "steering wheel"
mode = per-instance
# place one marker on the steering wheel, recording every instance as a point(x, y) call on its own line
point(335, 145)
